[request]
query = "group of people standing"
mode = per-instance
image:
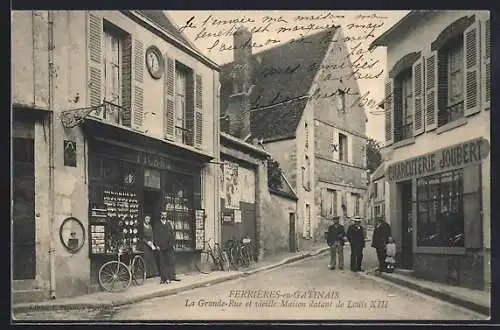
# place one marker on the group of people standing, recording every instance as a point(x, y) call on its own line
point(159, 249)
point(382, 241)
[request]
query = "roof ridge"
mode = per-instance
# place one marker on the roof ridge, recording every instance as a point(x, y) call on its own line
point(280, 103)
point(315, 34)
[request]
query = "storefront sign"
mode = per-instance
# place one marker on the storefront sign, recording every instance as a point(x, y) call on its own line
point(446, 159)
point(152, 160)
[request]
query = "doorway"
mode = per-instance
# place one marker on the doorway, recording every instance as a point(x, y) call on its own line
point(24, 248)
point(406, 226)
point(152, 206)
point(292, 243)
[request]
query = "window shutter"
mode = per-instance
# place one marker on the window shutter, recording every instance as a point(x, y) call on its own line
point(471, 65)
point(198, 112)
point(472, 207)
point(486, 63)
point(190, 104)
point(137, 87)
point(96, 61)
point(389, 109)
point(169, 104)
point(127, 81)
point(418, 97)
point(431, 92)
point(324, 205)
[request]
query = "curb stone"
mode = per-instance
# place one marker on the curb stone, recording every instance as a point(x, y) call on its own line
point(32, 307)
point(442, 295)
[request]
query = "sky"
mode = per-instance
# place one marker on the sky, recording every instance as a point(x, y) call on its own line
point(210, 32)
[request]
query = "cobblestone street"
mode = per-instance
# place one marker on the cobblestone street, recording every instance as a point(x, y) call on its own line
point(354, 297)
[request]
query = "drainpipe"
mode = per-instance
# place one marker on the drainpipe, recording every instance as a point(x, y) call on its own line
point(51, 156)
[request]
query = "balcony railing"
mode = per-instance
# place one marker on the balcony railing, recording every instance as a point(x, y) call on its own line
point(113, 113)
point(405, 130)
point(451, 113)
point(184, 135)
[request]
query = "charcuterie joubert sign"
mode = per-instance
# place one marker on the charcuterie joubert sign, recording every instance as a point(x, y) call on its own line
point(449, 158)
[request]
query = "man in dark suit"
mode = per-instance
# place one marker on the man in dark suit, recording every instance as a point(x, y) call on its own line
point(164, 239)
point(335, 239)
point(379, 240)
point(356, 237)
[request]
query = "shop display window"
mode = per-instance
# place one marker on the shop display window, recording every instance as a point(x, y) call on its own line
point(440, 216)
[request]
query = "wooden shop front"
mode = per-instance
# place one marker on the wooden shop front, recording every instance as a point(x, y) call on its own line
point(128, 181)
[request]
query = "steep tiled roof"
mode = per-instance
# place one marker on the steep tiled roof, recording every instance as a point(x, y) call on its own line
point(298, 62)
point(161, 19)
point(277, 122)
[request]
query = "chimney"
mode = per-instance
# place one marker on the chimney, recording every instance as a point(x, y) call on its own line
point(242, 54)
point(238, 112)
point(238, 109)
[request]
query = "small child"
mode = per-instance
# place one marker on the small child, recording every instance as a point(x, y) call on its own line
point(390, 252)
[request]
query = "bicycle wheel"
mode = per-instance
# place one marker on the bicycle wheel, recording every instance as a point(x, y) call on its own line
point(233, 258)
point(204, 264)
point(220, 257)
point(114, 276)
point(138, 270)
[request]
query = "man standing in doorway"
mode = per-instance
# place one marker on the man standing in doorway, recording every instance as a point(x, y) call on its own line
point(335, 240)
point(356, 237)
point(379, 240)
point(164, 238)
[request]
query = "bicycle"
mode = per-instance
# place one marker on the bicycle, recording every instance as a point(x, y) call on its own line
point(116, 276)
point(211, 256)
point(240, 253)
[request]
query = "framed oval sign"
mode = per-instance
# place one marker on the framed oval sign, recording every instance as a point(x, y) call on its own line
point(72, 234)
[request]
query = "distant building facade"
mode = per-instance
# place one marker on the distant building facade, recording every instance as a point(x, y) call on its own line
point(288, 98)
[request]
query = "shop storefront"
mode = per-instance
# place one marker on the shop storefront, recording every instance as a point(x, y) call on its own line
point(128, 182)
point(436, 213)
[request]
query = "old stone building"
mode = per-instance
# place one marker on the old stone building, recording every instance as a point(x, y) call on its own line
point(115, 118)
point(299, 101)
point(249, 207)
point(437, 109)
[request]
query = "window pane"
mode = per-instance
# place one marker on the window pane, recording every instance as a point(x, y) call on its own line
point(440, 221)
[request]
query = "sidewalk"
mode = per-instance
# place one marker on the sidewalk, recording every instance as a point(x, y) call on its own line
point(152, 289)
point(476, 300)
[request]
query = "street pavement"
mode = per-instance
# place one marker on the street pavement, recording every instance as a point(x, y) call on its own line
point(305, 290)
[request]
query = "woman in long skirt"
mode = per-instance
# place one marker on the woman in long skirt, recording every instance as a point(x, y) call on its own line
point(150, 251)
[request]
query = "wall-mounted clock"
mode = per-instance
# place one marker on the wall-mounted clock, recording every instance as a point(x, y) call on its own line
point(154, 62)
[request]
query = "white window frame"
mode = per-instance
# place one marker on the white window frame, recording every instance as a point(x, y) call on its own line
point(180, 103)
point(108, 66)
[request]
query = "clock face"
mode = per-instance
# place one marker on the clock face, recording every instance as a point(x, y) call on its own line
point(154, 62)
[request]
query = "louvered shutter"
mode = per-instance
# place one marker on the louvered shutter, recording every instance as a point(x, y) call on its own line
point(418, 97)
point(198, 112)
point(137, 85)
point(96, 61)
point(389, 110)
point(471, 65)
point(189, 114)
point(169, 104)
point(127, 81)
point(486, 63)
point(431, 91)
